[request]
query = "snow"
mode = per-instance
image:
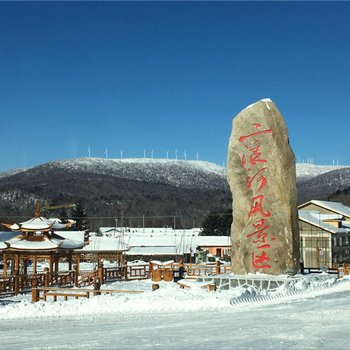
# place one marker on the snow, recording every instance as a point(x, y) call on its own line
point(333, 206)
point(19, 243)
point(266, 100)
point(179, 173)
point(313, 218)
point(174, 318)
point(312, 170)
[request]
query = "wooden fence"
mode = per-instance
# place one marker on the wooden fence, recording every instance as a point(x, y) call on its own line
point(14, 284)
point(206, 270)
point(42, 293)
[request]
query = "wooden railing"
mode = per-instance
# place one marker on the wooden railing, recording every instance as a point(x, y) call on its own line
point(87, 278)
point(14, 284)
point(138, 272)
point(206, 269)
point(42, 293)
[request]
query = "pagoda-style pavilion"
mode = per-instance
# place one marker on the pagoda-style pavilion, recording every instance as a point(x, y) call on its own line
point(36, 240)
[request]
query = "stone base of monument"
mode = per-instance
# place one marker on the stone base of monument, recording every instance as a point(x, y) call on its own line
point(268, 283)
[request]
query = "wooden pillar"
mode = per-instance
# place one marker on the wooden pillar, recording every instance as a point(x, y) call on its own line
point(76, 275)
point(16, 274)
point(51, 263)
point(99, 261)
point(78, 263)
point(34, 265)
point(5, 265)
point(12, 264)
point(46, 277)
point(70, 262)
point(100, 268)
point(24, 263)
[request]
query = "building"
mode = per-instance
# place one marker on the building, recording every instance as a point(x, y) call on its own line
point(324, 233)
point(162, 243)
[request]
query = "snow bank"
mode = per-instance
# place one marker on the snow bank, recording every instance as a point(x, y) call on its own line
point(169, 298)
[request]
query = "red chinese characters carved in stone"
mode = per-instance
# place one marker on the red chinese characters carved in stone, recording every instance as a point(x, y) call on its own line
point(256, 207)
point(261, 261)
point(257, 125)
point(260, 178)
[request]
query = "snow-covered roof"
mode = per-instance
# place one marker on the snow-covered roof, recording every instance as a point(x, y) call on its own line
point(155, 250)
point(72, 235)
point(313, 218)
point(330, 216)
point(332, 206)
point(148, 231)
point(105, 244)
point(179, 244)
point(17, 240)
point(20, 242)
point(38, 224)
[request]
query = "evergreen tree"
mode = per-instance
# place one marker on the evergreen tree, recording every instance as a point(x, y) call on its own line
point(217, 224)
point(64, 215)
point(78, 213)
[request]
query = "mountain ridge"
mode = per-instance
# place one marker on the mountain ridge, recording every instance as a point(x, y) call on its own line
point(138, 186)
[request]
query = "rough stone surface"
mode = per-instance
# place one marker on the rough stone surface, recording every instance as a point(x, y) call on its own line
point(261, 174)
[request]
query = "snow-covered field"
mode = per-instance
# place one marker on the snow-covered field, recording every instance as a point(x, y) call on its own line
point(174, 318)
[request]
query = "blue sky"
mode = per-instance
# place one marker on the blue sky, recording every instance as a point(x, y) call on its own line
point(168, 76)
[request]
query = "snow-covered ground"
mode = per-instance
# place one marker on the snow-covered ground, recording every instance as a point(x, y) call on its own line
point(174, 318)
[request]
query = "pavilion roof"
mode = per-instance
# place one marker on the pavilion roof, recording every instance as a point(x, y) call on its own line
point(36, 224)
point(19, 241)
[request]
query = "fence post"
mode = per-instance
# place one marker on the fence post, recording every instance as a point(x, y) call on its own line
point(16, 282)
point(100, 274)
point(76, 281)
point(218, 267)
point(35, 295)
point(126, 271)
point(46, 277)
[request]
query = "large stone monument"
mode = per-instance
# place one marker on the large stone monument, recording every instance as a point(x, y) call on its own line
point(261, 175)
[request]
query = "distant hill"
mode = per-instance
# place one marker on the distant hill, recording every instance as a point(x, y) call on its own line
point(112, 188)
point(324, 186)
point(158, 189)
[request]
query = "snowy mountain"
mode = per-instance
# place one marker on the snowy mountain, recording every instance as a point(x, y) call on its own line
point(120, 187)
point(178, 173)
point(306, 171)
point(137, 187)
point(324, 185)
